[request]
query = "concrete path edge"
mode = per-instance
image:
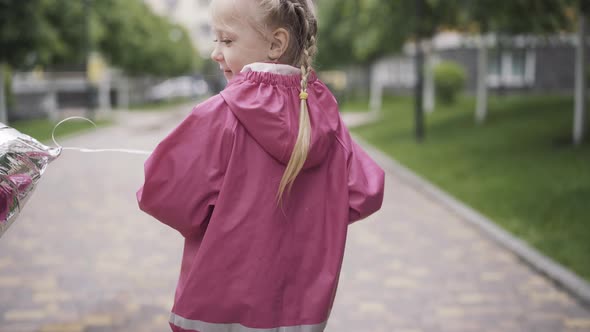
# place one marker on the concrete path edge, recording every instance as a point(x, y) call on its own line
point(560, 275)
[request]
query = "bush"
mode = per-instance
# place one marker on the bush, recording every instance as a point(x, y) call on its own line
point(449, 80)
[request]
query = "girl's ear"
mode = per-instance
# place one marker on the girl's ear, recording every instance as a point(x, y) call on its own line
point(279, 43)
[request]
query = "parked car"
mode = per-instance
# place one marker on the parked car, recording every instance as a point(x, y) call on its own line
point(178, 87)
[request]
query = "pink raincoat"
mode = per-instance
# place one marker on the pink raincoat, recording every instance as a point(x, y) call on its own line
point(248, 265)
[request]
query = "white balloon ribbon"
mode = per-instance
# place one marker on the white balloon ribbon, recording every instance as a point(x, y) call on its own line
point(130, 151)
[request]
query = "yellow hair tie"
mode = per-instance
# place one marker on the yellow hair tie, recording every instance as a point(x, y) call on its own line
point(303, 95)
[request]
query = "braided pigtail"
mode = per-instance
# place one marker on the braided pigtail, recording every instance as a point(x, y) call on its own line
point(306, 44)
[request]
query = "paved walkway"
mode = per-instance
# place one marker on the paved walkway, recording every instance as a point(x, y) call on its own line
point(83, 258)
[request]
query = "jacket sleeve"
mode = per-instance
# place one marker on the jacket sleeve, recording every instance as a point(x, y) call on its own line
point(365, 184)
point(183, 175)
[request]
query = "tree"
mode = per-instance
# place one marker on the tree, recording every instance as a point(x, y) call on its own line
point(506, 18)
point(63, 34)
point(19, 35)
point(54, 33)
point(139, 41)
point(353, 31)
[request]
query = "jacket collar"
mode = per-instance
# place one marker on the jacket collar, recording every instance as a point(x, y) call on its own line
point(269, 67)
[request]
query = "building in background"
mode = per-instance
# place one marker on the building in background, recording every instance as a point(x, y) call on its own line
point(518, 64)
point(193, 15)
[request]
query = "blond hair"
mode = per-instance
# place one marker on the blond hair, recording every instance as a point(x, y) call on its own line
point(297, 17)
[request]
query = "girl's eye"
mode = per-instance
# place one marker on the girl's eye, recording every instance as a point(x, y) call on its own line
point(225, 41)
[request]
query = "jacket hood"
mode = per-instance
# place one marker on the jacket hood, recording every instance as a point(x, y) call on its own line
point(267, 104)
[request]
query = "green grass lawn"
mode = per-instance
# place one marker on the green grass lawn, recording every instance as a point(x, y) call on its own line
point(41, 129)
point(354, 105)
point(519, 168)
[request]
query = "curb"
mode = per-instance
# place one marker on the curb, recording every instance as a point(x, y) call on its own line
point(566, 279)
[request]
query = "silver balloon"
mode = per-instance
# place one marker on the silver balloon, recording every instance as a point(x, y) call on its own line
point(22, 162)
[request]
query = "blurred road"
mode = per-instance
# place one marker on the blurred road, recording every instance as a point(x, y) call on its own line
point(83, 258)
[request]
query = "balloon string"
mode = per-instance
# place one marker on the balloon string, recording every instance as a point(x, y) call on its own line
point(131, 151)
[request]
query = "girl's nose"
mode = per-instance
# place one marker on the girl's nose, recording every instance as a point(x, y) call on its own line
point(216, 55)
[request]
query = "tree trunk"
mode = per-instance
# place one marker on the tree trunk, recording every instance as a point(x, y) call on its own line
point(580, 93)
point(3, 99)
point(429, 97)
point(501, 89)
point(419, 67)
point(482, 86)
point(418, 92)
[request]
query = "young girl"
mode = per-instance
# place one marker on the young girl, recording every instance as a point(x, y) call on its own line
point(261, 180)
